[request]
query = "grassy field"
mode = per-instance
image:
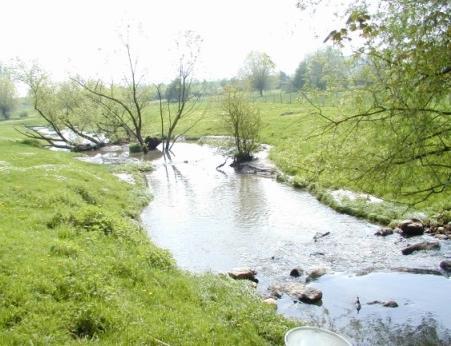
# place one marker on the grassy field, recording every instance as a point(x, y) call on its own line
point(320, 163)
point(76, 267)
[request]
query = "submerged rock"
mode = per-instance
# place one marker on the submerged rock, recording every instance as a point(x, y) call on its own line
point(243, 274)
point(320, 235)
point(317, 253)
point(390, 304)
point(271, 301)
point(383, 232)
point(411, 227)
point(446, 265)
point(152, 142)
point(298, 291)
point(425, 245)
point(387, 304)
point(423, 271)
point(374, 302)
point(296, 272)
point(315, 274)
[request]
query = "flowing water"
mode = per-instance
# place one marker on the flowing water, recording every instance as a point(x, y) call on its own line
point(214, 221)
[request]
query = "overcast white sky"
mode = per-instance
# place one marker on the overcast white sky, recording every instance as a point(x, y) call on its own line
point(83, 35)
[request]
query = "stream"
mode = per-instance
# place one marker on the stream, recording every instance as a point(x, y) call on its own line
point(213, 221)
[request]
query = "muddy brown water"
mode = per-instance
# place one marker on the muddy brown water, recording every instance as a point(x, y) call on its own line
point(213, 221)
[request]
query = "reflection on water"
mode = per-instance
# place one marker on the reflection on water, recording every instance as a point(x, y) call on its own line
point(384, 332)
point(420, 319)
point(214, 221)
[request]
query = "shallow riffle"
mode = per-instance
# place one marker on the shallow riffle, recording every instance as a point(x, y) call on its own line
point(213, 220)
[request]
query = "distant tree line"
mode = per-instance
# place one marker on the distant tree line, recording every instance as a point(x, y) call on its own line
point(8, 97)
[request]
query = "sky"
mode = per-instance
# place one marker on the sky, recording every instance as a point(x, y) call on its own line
point(87, 36)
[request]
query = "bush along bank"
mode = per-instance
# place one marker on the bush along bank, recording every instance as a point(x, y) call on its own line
point(76, 266)
point(374, 209)
point(360, 204)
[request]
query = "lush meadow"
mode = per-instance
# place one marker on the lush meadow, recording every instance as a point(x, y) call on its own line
point(75, 265)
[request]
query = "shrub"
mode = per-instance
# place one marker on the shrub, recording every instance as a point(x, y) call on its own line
point(93, 219)
point(243, 122)
point(63, 250)
point(89, 218)
point(135, 148)
point(85, 194)
point(88, 324)
point(33, 142)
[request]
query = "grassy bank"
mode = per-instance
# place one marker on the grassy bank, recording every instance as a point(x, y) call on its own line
point(75, 266)
point(321, 163)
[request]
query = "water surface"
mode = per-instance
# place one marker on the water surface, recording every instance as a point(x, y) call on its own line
point(215, 220)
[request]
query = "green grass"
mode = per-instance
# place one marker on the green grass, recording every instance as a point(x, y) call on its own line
point(76, 267)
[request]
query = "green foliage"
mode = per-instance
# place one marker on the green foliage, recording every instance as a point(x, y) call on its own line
point(322, 70)
point(33, 142)
point(394, 127)
point(300, 75)
point(7, 94)
point(243, 122)
point(88, 324)
point(172, 92)
point(93, 219)
point(135, 148)
point(408, 46)
point(257, 69)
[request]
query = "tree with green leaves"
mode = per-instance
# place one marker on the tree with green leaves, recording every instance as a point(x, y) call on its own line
point(70, 116)
point(300, 76)
point(243, 122)
point(7, 94)
point(404, 108)
point(180, 99)
point(257, 69)
point(125, 103)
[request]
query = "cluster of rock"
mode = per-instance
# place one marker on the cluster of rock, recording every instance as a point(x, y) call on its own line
point(296, 290)
point(446, 265)
point(243, 274)
point(442, 232)
point(410, 228)
point(406, 228)
point(387, 304)
point(414, 227)
point(425, 245)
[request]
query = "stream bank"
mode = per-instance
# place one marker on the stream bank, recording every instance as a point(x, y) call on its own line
point(77, 267)
point(215, 220)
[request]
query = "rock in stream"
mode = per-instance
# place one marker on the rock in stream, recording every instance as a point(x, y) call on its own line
point(243, 274)
point(425, 245)
point(298, 291)
point(411, 227)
